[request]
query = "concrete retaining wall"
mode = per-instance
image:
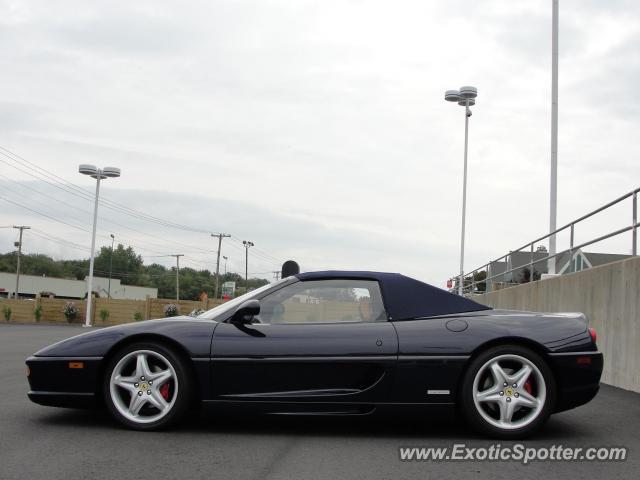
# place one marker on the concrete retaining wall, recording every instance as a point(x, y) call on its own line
point(610, 297)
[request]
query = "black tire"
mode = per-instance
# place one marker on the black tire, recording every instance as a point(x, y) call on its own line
point(179, 405)
point(475, 418)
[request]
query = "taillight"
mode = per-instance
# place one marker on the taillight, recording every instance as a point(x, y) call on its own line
point(594, 335)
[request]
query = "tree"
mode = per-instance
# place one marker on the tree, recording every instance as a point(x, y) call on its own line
point(478, 282)
point(525, 277)
point(77, 269)
point(130, 269)
point(479, 279)
point(127, 265)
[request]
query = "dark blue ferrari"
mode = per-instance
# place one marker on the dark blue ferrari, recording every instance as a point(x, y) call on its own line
point(331, 343)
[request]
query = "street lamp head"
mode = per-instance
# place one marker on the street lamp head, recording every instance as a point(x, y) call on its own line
point(112, 235)
point(452, 96)
point(468, 92)
point(111, 172)
point(88, 169)
point(95, 172)
point(463, 102)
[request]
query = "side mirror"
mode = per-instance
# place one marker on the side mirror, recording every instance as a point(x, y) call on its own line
point(245, 312)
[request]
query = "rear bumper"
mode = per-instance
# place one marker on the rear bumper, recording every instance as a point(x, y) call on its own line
point(61, 382)
point(577, 377)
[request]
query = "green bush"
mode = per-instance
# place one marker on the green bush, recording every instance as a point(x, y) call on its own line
point(104, 315)
point(37, 313)
point(137, 316)
point(171, 310)
point(6, 311)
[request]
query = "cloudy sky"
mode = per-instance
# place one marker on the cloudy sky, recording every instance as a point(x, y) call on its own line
point(315, 129)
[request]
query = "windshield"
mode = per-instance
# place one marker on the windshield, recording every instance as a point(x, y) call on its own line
point(233, 304)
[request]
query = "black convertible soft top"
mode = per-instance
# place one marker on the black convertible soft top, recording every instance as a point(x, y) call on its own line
point(405, 298)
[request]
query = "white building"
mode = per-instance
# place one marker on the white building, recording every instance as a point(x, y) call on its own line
point(32, 285)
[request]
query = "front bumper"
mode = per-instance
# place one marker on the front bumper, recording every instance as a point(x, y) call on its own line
point(64, 381)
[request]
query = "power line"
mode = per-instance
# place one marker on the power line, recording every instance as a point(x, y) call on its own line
point(33, 170)
point(52, 238)
point(199, 249)
point(260, 252)
point(124, 237)
point(76, 246)
point(43, 214)
point(58, 240)
point(73, 189)
point(107, 219)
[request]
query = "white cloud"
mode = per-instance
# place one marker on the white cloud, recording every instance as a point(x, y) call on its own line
point(321, 125)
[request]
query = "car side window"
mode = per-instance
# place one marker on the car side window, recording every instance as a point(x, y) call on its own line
point(324, 301)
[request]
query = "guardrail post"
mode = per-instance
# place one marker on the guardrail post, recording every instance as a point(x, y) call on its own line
point(634, 244)
point(531, 266)
point(507, 264)
point(571, 248)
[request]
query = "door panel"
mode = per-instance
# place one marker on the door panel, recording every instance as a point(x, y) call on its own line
point(304, 362)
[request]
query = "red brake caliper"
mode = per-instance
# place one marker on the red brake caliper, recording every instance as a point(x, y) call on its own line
point(527, 386)
point(164, 391)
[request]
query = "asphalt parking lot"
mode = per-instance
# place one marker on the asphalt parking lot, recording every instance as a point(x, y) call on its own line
point(42, 442)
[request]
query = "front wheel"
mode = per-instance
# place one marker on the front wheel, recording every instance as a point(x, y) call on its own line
point(147, 386)
point(508, 392)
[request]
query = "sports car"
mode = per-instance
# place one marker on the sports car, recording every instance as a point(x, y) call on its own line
point(331, 343)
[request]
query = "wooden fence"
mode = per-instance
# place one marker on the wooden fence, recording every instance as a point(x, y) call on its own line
point(104, 311)
point(18, 310)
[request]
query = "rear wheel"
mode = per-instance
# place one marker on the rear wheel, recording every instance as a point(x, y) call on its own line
point(147, 386)
point(508, 392)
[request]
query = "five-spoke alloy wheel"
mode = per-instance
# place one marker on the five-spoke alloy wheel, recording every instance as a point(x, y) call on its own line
point(508, 392)
point(147, 386)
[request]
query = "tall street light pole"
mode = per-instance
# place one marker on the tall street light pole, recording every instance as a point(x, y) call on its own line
point(220, 237)
point(21, 228)
point(98, 174)
point(553, 188)
point(247, 245)
point(113, 238)
point(465, 97)
point(178, 274)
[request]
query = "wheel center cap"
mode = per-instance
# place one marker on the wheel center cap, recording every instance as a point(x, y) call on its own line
point(144, 386)
point(508, 391)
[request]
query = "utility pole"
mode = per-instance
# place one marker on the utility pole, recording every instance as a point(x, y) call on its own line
point(19, 245)
point(220, 237)
point(177, 273)
point(110, 265)
point(247, 245)
point(225, 265)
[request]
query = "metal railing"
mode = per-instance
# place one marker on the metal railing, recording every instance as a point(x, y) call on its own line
point(470, 287)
